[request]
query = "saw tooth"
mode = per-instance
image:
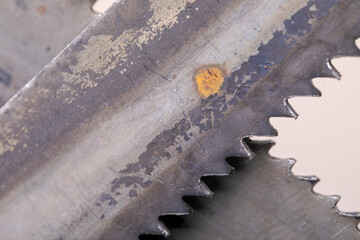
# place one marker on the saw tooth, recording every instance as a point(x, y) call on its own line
point(202, 190)
point(156, 228)
point(315, 92)
point(291, 162)
point(163, 230)
point(311, 179)
point(199, 189)
point(304, 88)
point(245, 149)
point(269, 130)
point(284, 109)
point(335, 198)
point(287, 164)
point(177, 207)
point(266, 130)
point(293, 113)
point(239, 150)
point(217, 168)
point(329, 70)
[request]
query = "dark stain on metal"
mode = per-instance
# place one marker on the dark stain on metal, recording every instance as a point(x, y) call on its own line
point(107, 197)
point(5, 78)
point(21, 4)
point(133, 193)
point(128, 181)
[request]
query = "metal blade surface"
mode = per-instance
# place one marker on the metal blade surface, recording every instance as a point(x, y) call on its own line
point(114, 131)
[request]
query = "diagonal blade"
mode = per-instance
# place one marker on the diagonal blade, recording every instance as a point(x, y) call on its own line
point(148, 99)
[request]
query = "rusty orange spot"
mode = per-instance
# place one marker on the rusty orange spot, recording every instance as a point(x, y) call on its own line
point(41, 9)
point(209, 81)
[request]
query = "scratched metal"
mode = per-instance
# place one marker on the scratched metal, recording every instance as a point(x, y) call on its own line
point(112, 133)
point(33, 32)
point(262, 199)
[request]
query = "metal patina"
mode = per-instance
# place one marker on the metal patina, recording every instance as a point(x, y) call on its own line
point(114, 131)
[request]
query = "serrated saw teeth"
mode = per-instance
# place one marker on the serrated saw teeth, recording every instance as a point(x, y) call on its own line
point(291, 209)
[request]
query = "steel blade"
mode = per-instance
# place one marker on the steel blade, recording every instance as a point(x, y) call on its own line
point(115, 130)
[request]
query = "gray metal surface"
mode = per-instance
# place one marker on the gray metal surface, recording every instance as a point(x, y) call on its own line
point(33, 32)
point(263, 200)
point(113, 132)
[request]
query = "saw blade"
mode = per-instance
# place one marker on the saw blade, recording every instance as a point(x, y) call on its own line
point(148, 99)
point(262, 199)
